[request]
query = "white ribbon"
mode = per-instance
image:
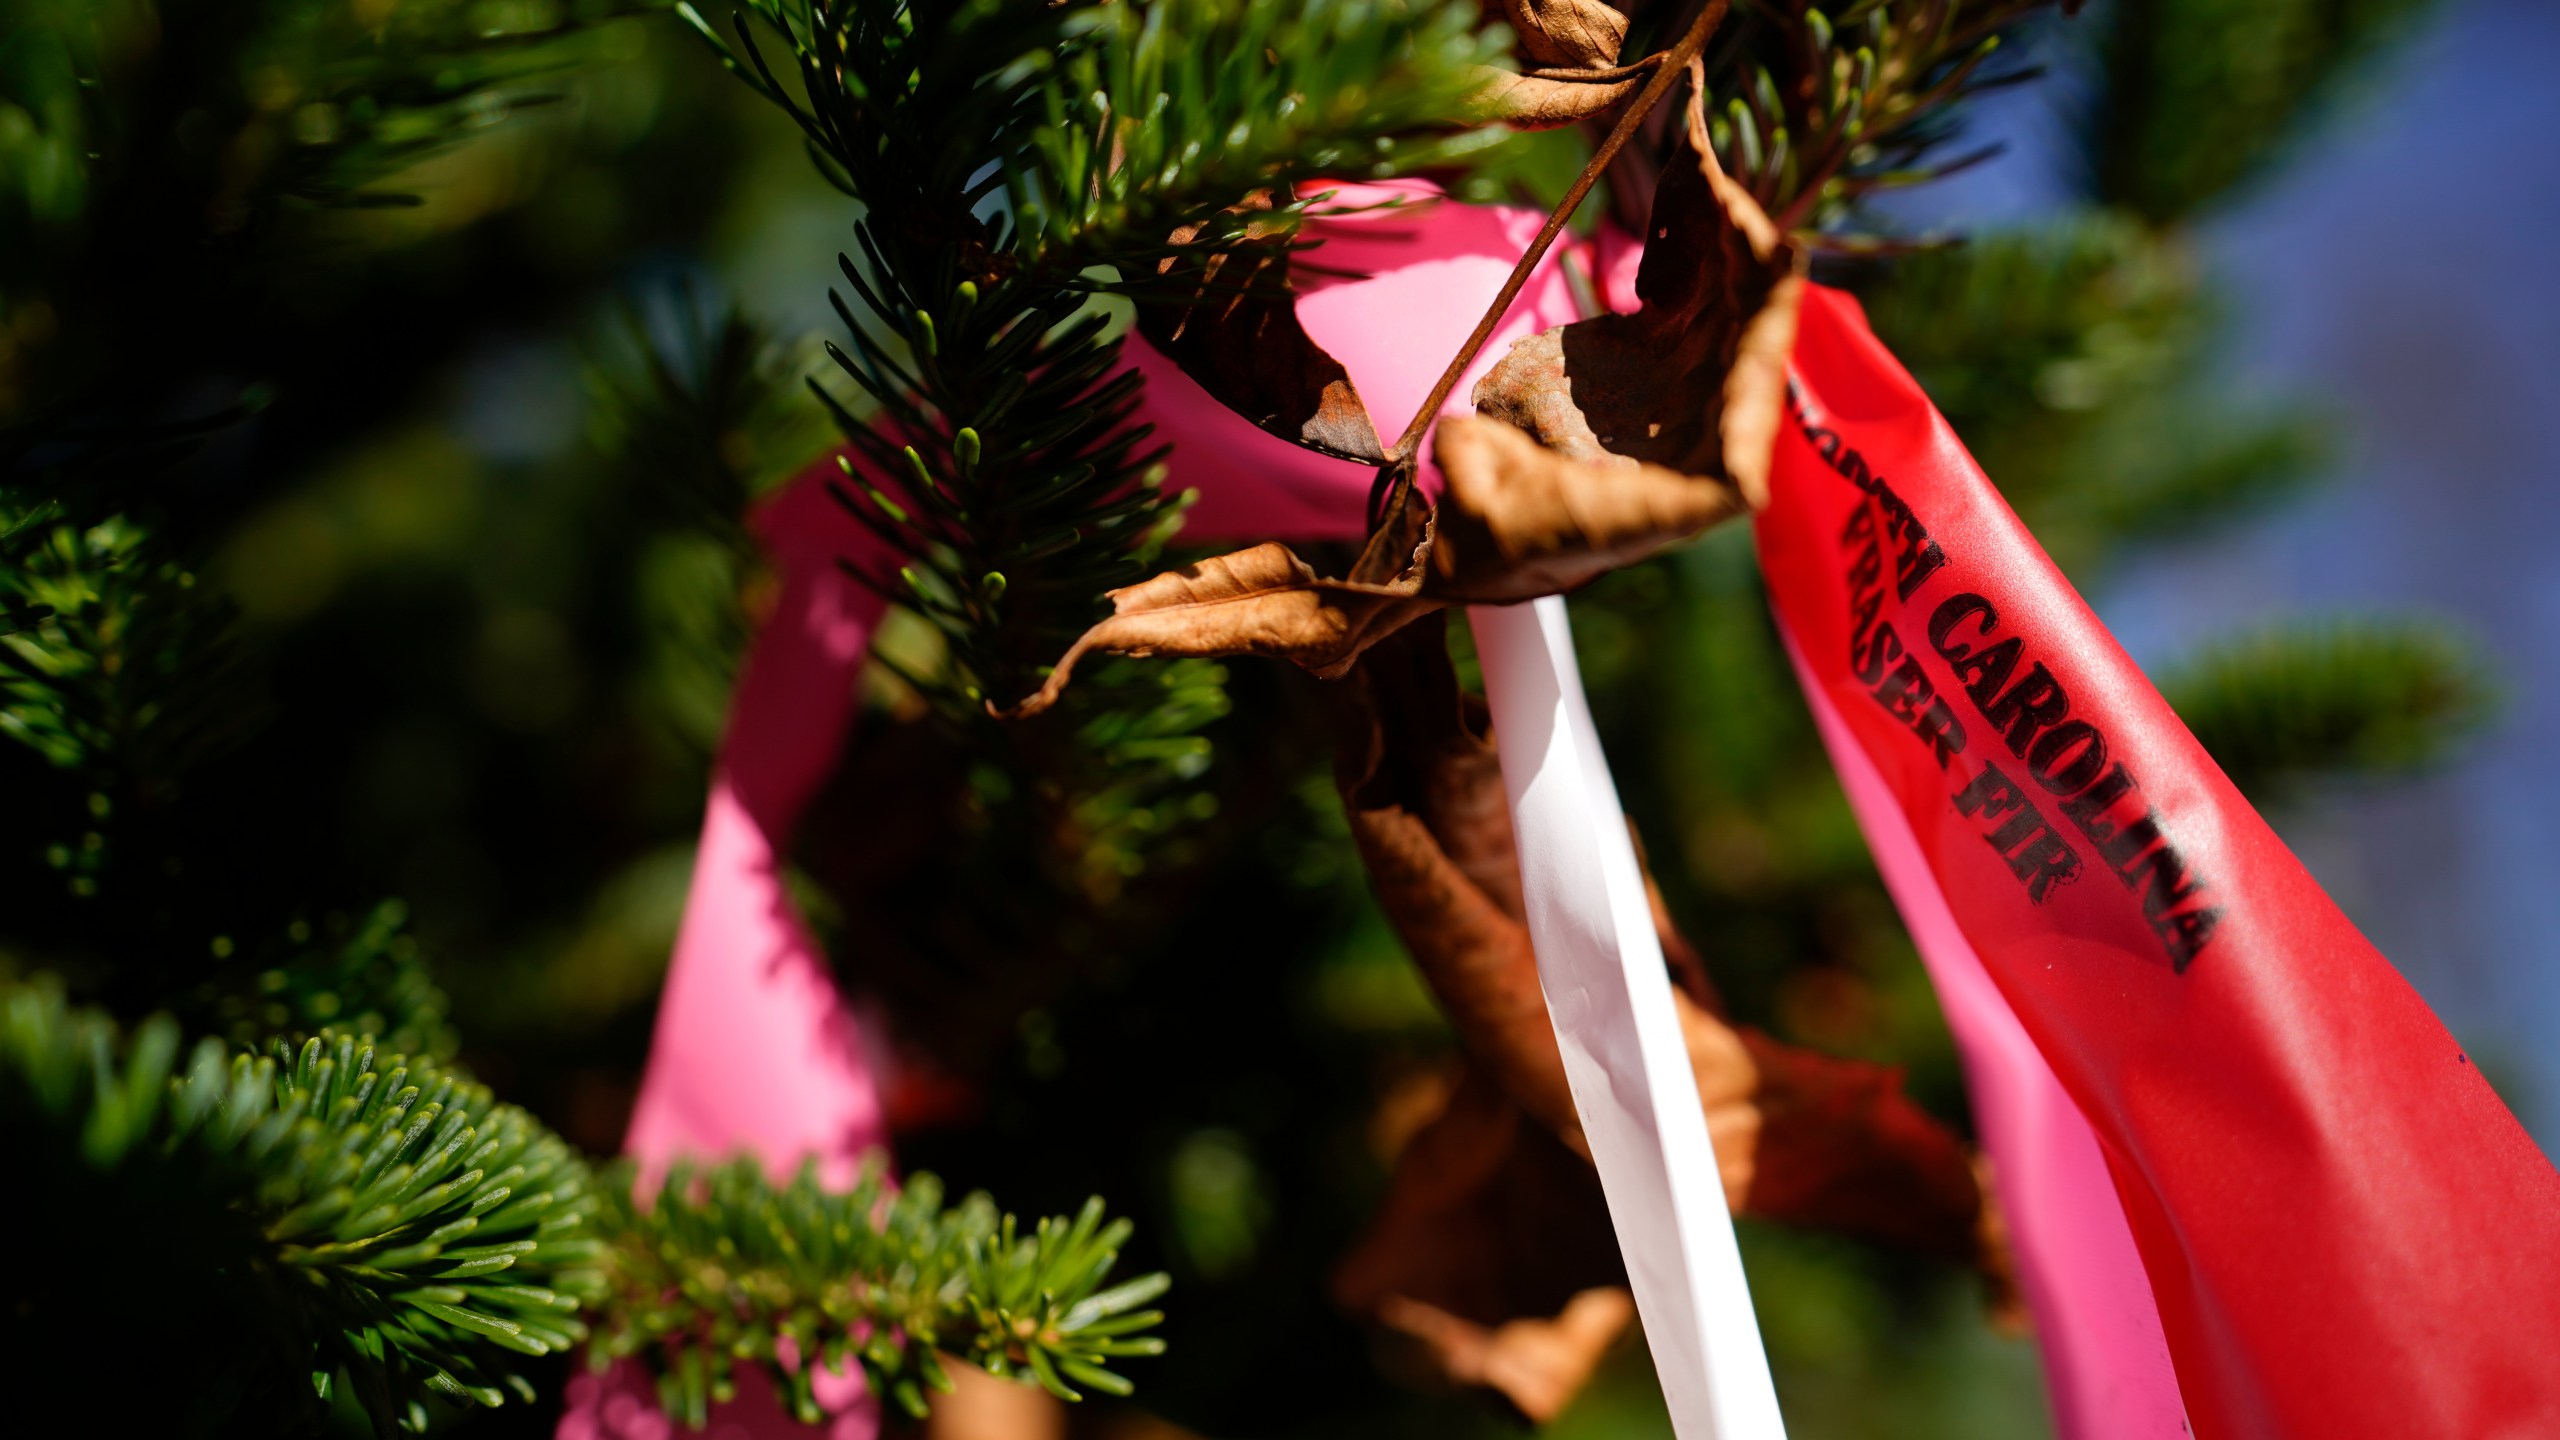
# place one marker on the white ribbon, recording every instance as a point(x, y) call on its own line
point(1609, 994)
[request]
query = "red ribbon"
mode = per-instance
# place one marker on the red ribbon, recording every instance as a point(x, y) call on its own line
point(2346, 1232)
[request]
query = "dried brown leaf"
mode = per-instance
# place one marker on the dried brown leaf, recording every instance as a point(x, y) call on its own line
point(1839, 1146)
point(1799, 1136)
point(1261, 601)
point(1230, 320)
point(1491, 1236)
point(1693, 380)
point(1644, 426)
point(1568, 55)
point(1266, 601)
point(1423, 793)
point(1582, 34)
point(1520, 520)
point(1493, 1257)
point(1537, 1364)
point(1558, 97)
point(1647, 426)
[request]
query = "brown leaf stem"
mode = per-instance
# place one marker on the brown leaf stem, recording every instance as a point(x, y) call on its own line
point(1667, 71)
point(1610, 75)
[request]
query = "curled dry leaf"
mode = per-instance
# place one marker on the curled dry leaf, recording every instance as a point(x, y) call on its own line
point(1799, 1136)
point(1837, 1145)
point(1492, 1257)
point(1433, 826)
point(1261, 601)
point(1563, 34)
point(1229, 318)
point(1538, 1365)
point(1548, 99)
point(1641, 430)
point(1568, 55)
point(1694, 379)
point(1518, 521)
point(1521, 520)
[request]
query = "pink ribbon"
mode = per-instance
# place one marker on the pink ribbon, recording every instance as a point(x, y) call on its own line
point(1421, 272)
point(756, 1050)
point(2107, 1365)
point(2106, 1359)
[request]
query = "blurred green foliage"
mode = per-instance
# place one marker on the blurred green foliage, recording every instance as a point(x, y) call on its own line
point(2286, 707)
point(2077, 360)
point(2199, 96)
point(468, 586)
point(357, 975)
point(153, 151)
point(279, 1226)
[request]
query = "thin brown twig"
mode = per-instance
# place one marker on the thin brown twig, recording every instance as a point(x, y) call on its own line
point(1667, 71)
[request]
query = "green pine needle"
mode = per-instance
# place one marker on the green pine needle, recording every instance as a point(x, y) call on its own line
point(704, 405)
point(360, 976)
point(342, 97)
point(251, 1227)
point(994, 444)
point(2299, 703)
point(723, 1267)
point(1813, 111)
point(126, 668)
point(2202, 95)
point(1174, 110)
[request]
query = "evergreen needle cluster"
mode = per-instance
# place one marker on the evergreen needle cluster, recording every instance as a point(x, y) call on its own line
point(1012, 159)
point(2288, 704)
point(1821, 109)
point(360, 975)
point(327, 1222)
point(120, 665)
point(336, 1216)
point(724, 1268)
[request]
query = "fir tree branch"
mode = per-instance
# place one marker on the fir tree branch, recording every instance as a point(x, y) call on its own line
point(2200, 95)
point(2289, 706)
point(1821, 109)
point(1171, 112)
point(318, 1216)
point(704, 405)
point(125, 675)
point(150, 157)
point(130, 672)
point(359, 976)
point(994, 448)
point(725, 1267)
point(308, 99)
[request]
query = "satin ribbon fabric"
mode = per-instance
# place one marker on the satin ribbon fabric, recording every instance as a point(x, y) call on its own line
point(2345, 1232)
point(2084, 1284)
point(756, 1050)
point(1609, 994)
point(2106, 1362)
